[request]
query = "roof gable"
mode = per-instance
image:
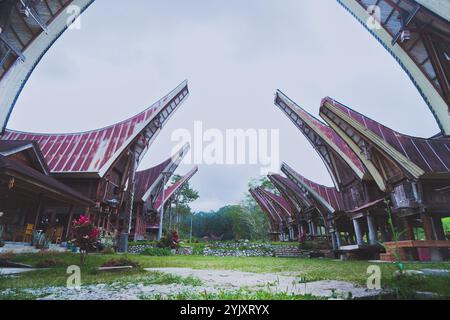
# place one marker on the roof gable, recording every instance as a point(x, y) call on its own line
point(94, 152)
point(326, 197)
point(151, 180)
point(265, 206)
point(416, 156)
point(342, 163)
point(173, 189)
point(27, 152)
point(423, 56)
point(291, 192)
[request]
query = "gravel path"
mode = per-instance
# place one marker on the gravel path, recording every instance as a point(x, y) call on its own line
point(213, 281)
point(11, 271)
point(232, 280)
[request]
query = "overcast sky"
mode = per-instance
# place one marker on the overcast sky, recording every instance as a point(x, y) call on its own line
point(235, 54)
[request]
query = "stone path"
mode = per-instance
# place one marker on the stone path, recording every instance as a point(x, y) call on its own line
point(12, 271)
point(20, 248)
point(213, 282)
point(279, 283)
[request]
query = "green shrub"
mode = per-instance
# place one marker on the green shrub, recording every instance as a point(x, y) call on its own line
point(51, 263)
point(123, 262)
point(198, 249)
point(2, 243)
point(157, 252)
point(142, 243)
point(108, 251)
point(170, 240)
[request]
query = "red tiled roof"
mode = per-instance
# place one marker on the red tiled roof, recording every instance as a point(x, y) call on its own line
point(280, 201)
point(170, 191)
point(287, 183)
point(265, 205)
point(95, 151)
point(290, 191)
point(431, 155)
point(330, 195)
point(334, 140)
point(278, 204)
point(146, 179)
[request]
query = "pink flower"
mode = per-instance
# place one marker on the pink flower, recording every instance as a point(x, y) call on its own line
point(95, 233)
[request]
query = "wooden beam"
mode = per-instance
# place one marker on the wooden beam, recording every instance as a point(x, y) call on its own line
point(69, 223)
point(38, 211)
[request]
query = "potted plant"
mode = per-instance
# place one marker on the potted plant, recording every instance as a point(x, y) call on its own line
point(40, 240)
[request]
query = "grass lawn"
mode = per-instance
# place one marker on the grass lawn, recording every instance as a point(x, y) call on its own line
point(308, 270)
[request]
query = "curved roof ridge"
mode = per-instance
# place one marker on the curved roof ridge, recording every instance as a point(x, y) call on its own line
point(329, 197)
point(147, 180)
point(170, 191)
point(269, 205)
point(152, 107)
point(303, 178)
point(28, 42)
point(278, 199)
point(303, 110)
point(411, 55)
point(416, 155)
point(345, 107)
point(262, 202)
point(94, 152)
point(288, 183)
point(327, 135)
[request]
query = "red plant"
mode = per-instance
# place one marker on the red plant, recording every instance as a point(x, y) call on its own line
point(85, 236)
point(175, 239)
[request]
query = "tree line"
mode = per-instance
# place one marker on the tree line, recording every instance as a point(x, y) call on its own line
point(233, 222)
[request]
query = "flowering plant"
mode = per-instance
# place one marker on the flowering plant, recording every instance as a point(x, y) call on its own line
point(85, 236)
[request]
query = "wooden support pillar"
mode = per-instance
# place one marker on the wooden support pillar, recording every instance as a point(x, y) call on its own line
point(313, 228)
point(53, 219)
point(439, 228)
point(351, 237)
point(358, 232)
point(372, 230)
point(406, 229)
point(38, 212)
point(427, 224)
point(69, 222)
point(118, 221)
point(333, 241)
point(130, 192)
point(338, 239)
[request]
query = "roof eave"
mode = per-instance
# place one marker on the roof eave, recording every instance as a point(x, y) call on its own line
point(432, 97)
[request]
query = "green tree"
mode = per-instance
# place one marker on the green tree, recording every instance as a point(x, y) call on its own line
point(180, 207)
